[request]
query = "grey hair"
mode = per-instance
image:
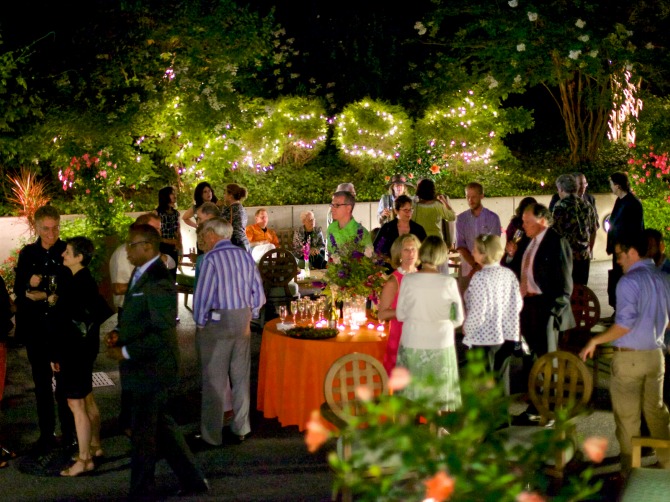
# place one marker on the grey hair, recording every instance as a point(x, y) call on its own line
point(209, 208)
point(304, 214)
point(219, 226)
point(567, 183)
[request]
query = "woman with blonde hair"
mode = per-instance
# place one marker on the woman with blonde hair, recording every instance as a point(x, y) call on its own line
point(234, 212)
point(404, 259)
point(493, 301)
point(430, 308)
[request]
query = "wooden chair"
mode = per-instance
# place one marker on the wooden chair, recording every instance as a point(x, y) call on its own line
point(558, 380)
point(185, 282)
point(648, 485)
point(339, 388)
point(278, 268)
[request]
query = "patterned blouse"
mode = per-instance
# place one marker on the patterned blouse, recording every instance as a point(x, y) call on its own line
point(493, 303)
point(237, 216)
point(169, 224)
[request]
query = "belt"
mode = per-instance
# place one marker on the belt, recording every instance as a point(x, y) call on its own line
point(623, 349)
point(532, 294)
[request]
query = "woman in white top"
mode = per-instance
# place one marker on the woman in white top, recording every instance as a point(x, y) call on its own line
point(430, 308)
point(493, 301)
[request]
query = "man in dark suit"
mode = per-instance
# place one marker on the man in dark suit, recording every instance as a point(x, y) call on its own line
point(145, 343)
point(546, 283)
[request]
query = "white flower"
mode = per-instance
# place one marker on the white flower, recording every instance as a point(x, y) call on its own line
point(593, 54)
point(532, 16)
point(491, 81)
point(517, 79)
point(420, 27)
point(580, 23)
point(521, 47)
point(336, 259)
point(584, 38)
point(368, 251)
point(630, 33)
point(649, 45)
point(574, 54)
point(629, 67)
point(513, 3)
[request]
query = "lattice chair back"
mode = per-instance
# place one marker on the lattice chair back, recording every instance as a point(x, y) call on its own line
point(348, 373)
point(585, 307)
point(559, 380)
point(278, 267)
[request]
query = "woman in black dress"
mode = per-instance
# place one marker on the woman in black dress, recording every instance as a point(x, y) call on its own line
point(80, 309)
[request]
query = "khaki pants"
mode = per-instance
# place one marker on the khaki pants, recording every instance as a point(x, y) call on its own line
point(637, 387)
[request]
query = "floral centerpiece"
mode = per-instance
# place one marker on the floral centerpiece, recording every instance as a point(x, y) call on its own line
point(355, 269)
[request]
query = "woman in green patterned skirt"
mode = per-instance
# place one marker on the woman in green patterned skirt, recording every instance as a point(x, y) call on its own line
point(430, 307)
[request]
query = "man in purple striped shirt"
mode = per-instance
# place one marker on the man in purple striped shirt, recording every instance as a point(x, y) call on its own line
point(471, 224)
point(228, 294)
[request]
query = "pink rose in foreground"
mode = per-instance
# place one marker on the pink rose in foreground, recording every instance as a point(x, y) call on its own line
point(364, 393)
point(316, 434)
point(434, 169)
point(529, 497)
point(439, 487)
point(595, 448)
point(399, 379)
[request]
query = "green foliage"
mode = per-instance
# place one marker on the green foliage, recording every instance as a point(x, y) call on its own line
point(371, 134)
point(474, 454)
point(653, 128)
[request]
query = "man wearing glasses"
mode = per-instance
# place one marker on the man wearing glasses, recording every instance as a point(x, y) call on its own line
point(344, 227)
point(37, 263)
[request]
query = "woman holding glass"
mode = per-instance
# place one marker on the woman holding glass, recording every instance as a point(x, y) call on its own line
point(431, 209)
point(430, 308)
point(516, 235)
point(404, 259)
point(80, 310)
point(234, 212)
point(310, 233)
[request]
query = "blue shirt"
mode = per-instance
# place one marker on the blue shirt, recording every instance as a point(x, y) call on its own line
point(469, 227)
point(229, 279)
point(642, 306)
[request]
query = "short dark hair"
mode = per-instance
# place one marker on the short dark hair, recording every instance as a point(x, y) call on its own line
point(473, 185)
point(525, 202)
point(148, 234)
point(621, 179)
point(540, 211)
point(637, 241)
point(82, 246)
point(349, 198)
point(400, 201)
point(653, 234)
point(425, 190)
point(144, 219)
point(47, 211)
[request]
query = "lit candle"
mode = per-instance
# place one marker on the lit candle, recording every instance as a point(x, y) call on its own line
point(380, 327)
point(371, 326)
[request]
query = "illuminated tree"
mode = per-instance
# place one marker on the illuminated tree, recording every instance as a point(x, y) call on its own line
point(571, 47)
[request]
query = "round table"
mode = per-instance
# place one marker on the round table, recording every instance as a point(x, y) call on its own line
point(292, 371)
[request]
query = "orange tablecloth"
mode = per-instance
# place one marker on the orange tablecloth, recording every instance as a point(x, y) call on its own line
point(291, 372)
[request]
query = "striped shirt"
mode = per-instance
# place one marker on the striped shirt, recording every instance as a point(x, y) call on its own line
point(229, 279)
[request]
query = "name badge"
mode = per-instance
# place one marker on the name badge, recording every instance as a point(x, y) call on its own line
point(216, 316)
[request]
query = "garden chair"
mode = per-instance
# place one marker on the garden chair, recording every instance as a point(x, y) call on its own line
point(558, 380)
point(342, 379)
point(278, 269)
point(644, 484)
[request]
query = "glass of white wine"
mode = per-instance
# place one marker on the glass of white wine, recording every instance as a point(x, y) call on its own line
point(282, 313)
point(294, 309)
point(52, 287)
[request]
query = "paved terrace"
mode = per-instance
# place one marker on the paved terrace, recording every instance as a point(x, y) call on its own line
point(272, 465)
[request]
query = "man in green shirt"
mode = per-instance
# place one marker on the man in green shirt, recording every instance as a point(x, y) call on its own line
point(344, 228)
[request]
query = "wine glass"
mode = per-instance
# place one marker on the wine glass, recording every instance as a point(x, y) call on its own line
point(301, 308)
point(518, 235)
point(282, 313)
point(312, 310)
point(294, 309)
point(52, 285)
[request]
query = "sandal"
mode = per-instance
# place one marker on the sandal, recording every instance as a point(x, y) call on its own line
point(81, 466)
point(96, 452)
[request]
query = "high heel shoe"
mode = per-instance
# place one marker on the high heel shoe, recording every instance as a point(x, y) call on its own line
point(81, 466)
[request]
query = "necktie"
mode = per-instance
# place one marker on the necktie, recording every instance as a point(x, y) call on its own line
point(525, 266)
point(136, 276)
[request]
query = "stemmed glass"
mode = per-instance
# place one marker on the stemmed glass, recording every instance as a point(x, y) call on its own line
point(294, 309)
point(51, 287)
point(282, 313)
point(301, 308)
point(312, 310)
point(518, 235)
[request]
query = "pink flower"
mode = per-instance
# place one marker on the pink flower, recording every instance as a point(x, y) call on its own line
point(595, 448)
point(529, 497)
point(434, 169)
point(399, 379)
point(387, 178)
point(410, 176)
point(439, 487)
point(418, 161)
point(111, 200)
point(364, 393)
point(103, 174)
point(316, 434)
point(88, 191)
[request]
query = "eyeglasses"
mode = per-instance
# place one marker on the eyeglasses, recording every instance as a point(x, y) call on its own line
point(131, 244)
point(337, 206)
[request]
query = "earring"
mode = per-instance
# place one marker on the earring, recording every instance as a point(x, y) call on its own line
point(400, 260)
